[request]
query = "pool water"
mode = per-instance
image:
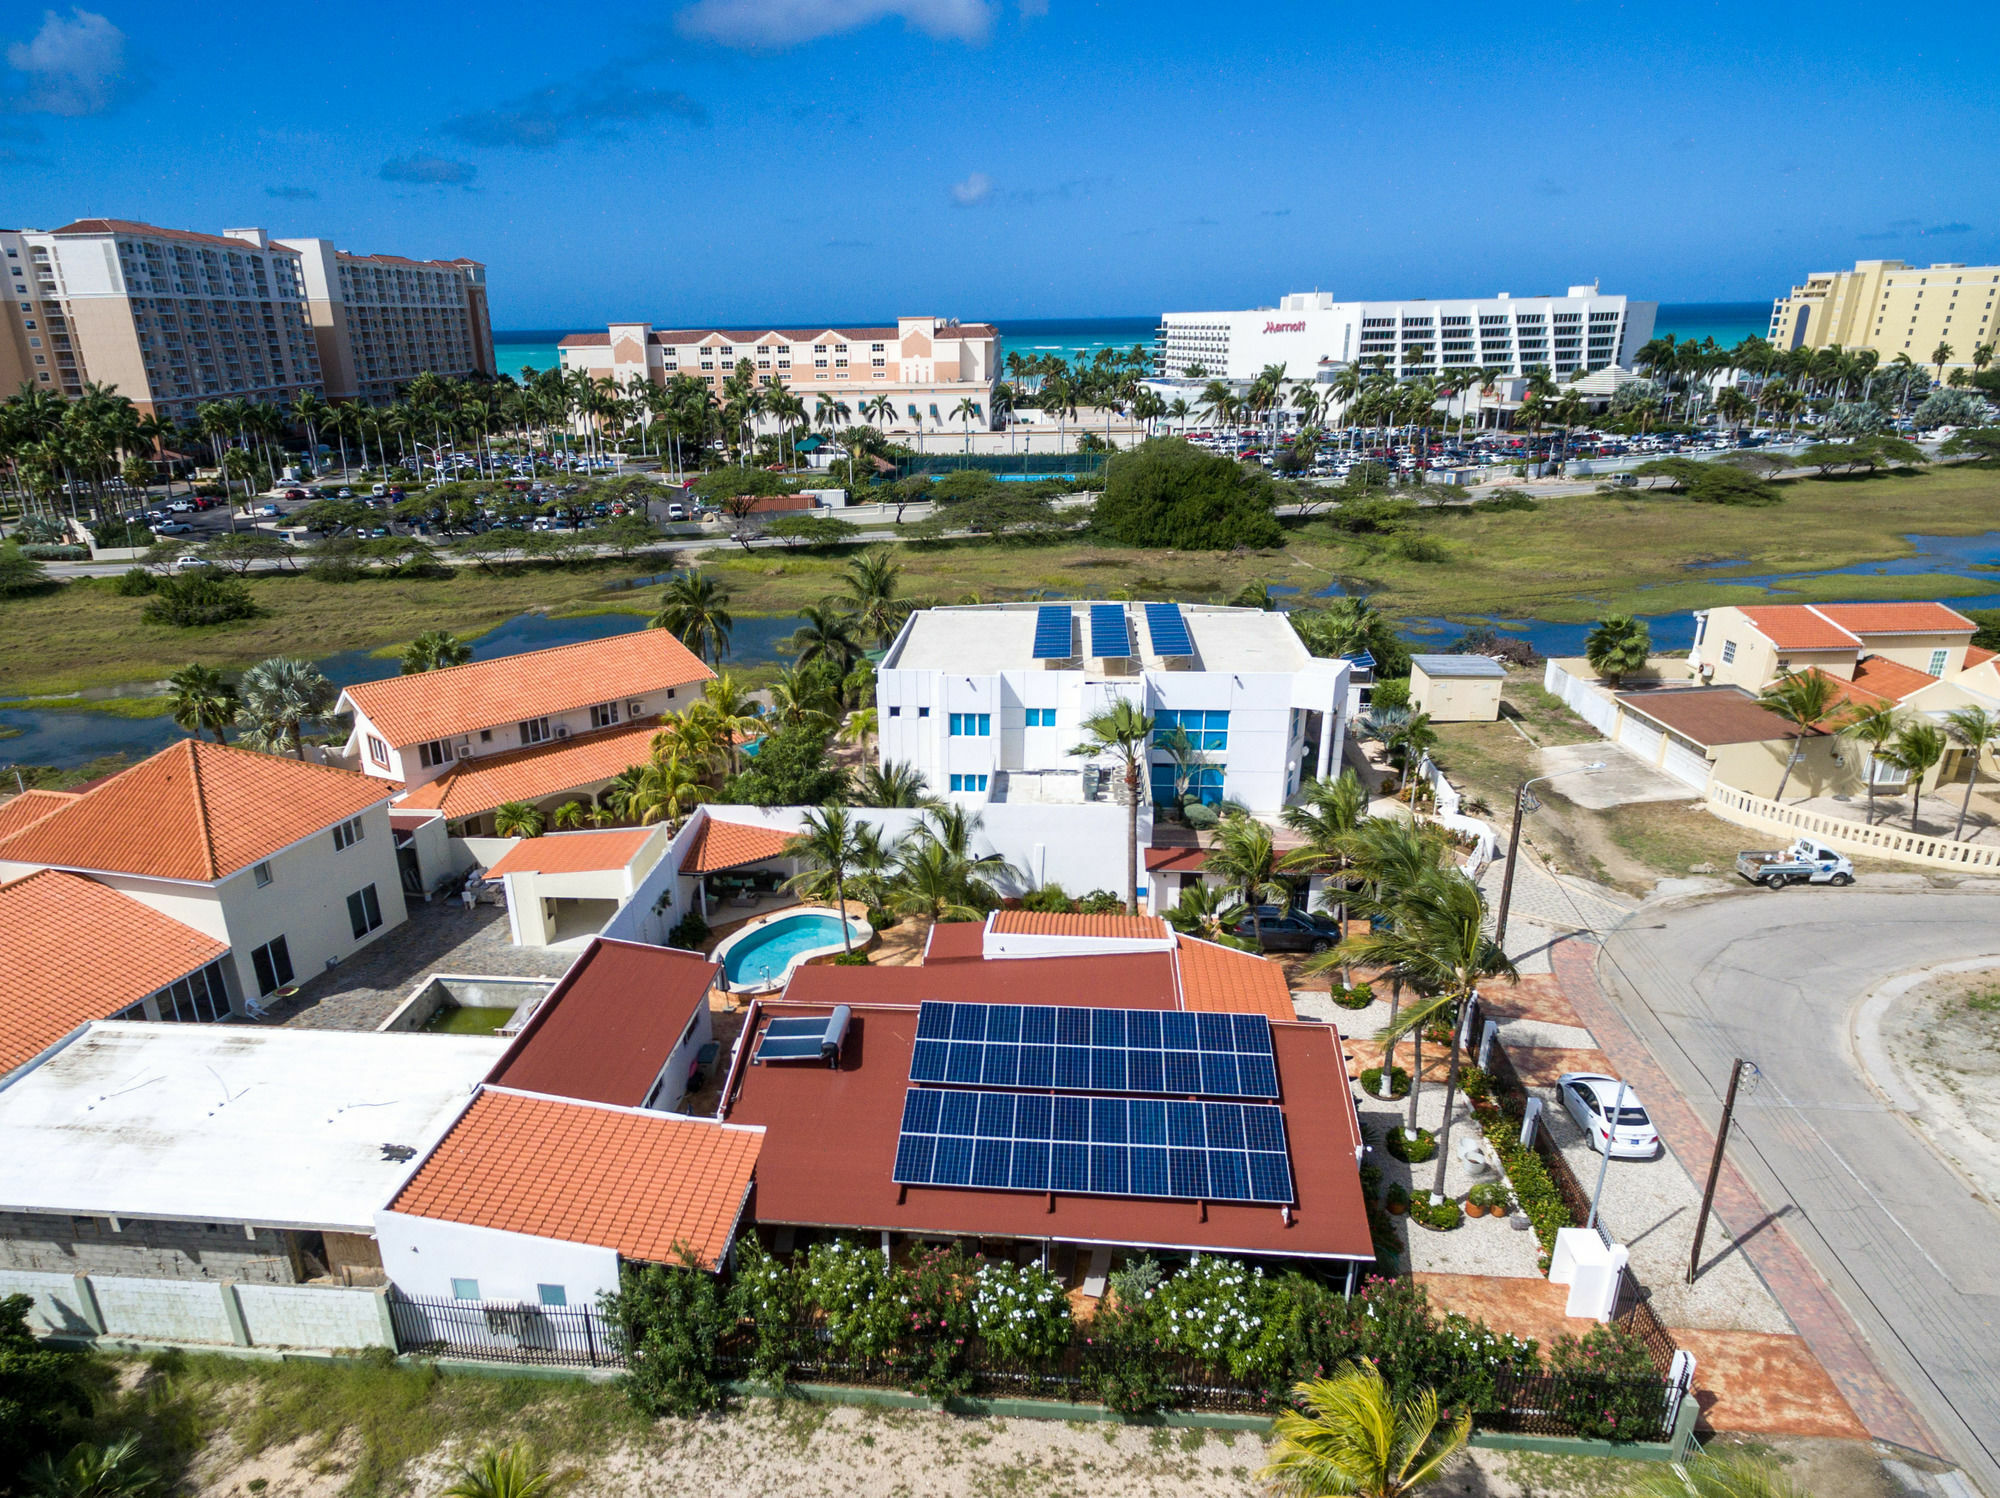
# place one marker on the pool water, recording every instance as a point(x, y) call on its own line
point(763, 955)
point(460, 1019)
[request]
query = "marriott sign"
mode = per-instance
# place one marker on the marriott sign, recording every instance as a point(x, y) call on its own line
point(1286, 327)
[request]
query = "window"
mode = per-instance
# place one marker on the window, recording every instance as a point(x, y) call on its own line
point(1728, 652)
point(552, 1295)
point(604, 715)
point(364, 911)
point(347, 834)
point(1204, 784)
point(436, 752)
point(1041, 717)
point(968, 782)
point(1938, 658)
point(262, 874)
point(971, 725)
point(464, 1289)
point(1205, 730)
point(895, 712)
point(534, 730)
point(923, 712)
point(199, 998)
point(273, 964)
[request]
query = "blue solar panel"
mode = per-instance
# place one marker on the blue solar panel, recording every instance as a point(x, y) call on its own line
point(1168, 629)
point(1077, 1049)
point(1110, 631)
point(1101, 1146)
point(1052, 632)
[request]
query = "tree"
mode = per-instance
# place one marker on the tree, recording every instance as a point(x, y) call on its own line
point(790, 768)
point(1941, 356)
point(570, 816)
point(1809, 701)
point(1918, 745)
point(1719, 1473)
point(897, 783)
point(870, 592)
point(826, 846)
point(518, 819)
point(1350, 625)
point(20, 574)
point(825, 635)
point(1326, 817)
point(1975, 731)
point(1166, 492)
point(512, 1472)
point(1873, 727)
point(87, 1471)
point(695, 608)
point(1618, 646)
point(1351, 1435)
point(41, 1389)
point(1206, 910)
point(811, 531)
point(202, 700)
point(929, 882)
point(1245, 857)
point(277, 698)
point(193, 600)
point(1124, 733)
point(434, 650)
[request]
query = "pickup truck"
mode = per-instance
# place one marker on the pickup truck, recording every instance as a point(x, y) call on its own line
point(1805, 862)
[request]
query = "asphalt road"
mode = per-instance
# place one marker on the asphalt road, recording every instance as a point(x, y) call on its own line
point(1907, 1246)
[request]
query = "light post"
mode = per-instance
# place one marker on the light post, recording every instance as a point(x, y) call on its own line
point(1610, 1142)
point(1514, 846)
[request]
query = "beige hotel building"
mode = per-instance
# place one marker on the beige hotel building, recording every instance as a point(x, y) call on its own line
point(924, 366)
point(1893, 309)
point(171, 318)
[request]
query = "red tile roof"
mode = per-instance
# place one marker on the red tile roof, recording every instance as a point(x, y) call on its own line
point(551, 769)
point(1878, 681)
point(72, 950)
point(718, 845)
point(154, 231)
point(17, 812)
point(956, 941)
point(1794, 626)
point(483, 694)
point(1974, 656)
point(1046, 923)
point(574, 852)
point(195, 810)
point(1896, 618)
point(647, 1185)
point(1221, 978)
point(779, 504)
point(1712, 715)
point(1176, 860)
point(607, 1028)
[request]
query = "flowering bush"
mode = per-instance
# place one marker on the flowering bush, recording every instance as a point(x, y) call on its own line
point(768, 1295)
point(864, 1307)
point(1213, 1310)
point(1022, 1313)
point(1610, 1390)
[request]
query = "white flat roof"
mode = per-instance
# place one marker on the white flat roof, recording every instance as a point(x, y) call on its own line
point(984, 639)
point(231, 1124)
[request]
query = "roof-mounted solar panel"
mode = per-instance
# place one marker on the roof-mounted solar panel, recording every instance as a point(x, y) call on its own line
point(1168, 630)
point(1110, 631)
point(817, 1038)
point(1052, 632)
point(1070, 1048)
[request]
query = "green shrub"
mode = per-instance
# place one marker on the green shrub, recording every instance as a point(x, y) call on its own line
point(1101, 902)
point(195, 599)
point(1168, 493)
point(1200, 816)
point(670, 1319)
point(1535, 1190)
point(1489, 1194)
point(1371, 1081)
point(55, 551)
point(1476, 1084)
point(1213, 1310)
point(20, 573)
point(1441, 1218)
point(1393, 692)
point(1360, 996)
point(856, 958)
point(1121, 1362)
point(1613, 1393)
point(769, 1295)
point(690, 933)
point(1412, 1151)
point(1050, 899)
point(41, 1390)
point(1022, 1313)
point(135, 582)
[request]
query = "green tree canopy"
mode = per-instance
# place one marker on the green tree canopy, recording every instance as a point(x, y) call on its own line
point(1167, 492)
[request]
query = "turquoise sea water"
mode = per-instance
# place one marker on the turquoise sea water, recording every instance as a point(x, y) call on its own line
point(762, 957)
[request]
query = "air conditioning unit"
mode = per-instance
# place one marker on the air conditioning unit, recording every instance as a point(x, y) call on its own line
point(635, 709)
point(562, 730)
point(465, 750)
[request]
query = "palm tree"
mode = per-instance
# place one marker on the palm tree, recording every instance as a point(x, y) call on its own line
point(826, 635)
point(1618, 646)
point(1327, 817)
point(1807, 700)
point(433, 650)
point(930, 882)
point(277, 698)
point(667, 789)
point(1918, 745)
point(859, 728)
point(1351, 1435)
point(1245, 857)
point(202, 700)
point(965, 413)
point(826, 845)
point(695, 608)
point(496, 1473)
point(724, 714)
point(1205, 910)
point(869, 592)
point(1125, 733)
point(1874, 727)
point(1975, 731)
point(517, 819)
point(570, 816)
point(88, 1471)
point(897, 783)
point(1719, 1473)
point(1941, 356)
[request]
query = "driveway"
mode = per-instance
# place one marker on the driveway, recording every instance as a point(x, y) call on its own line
point(1625, 779)
point(1903, 1242)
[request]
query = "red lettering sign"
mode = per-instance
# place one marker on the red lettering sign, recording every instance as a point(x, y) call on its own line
point(1285, 327)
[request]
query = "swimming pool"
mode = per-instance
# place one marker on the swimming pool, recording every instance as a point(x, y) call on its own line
point(762, 956)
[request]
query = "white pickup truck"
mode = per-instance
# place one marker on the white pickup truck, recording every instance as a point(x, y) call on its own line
point(1805, 862)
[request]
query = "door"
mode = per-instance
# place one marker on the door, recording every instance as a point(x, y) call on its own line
point(1641, 738)
point(1686, 761)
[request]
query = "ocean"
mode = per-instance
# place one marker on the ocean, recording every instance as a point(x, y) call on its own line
point(1725, 322)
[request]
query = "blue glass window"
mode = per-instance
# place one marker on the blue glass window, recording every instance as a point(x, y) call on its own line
point(971, 725)
point(1204, 784)
point(1206, 730)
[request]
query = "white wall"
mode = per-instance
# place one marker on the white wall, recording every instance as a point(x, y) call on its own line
point(315, 1316)
point(422, 1256)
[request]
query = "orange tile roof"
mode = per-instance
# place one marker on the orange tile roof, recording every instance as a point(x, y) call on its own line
point(721, 845)
point(154, 231)
point(573, 852)
point(1221, 978)
point(1896, 618)
point(30, 806)
point(195, 810)
point(460, 699)
point(1044, 923)
point(1877, 680)
point(1794, 626)
point(1974, 656)
point(73, 950)
point(482, 783)
point(644, 1184)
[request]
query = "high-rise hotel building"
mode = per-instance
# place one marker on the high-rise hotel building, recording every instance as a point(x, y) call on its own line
point(1893, 309)
point(1310, 334)
point(172, 319)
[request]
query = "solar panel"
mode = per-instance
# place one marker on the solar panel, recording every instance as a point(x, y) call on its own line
point(1164, 1052)
point(1094, 1146)
point(793, 1040)
point(1168, 629)
point(1110, 631)
point(1052, 632)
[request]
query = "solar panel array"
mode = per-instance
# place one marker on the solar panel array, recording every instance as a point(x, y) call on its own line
point(1052, 632)
point(1168, 629)
point(792, 1040)
point(1098, 1146)
point(1073, 1049)
point(1110, 631)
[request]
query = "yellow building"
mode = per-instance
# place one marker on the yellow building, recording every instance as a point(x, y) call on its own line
point(1893, 309)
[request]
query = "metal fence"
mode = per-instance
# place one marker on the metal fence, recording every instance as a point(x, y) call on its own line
point(1560, 1404)
point(560, 1336)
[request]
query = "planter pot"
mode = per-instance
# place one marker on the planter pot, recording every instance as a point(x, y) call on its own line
point(1398, 1209)
point(1473, 1209)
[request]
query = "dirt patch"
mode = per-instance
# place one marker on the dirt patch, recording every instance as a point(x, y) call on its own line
point(1944, 1038)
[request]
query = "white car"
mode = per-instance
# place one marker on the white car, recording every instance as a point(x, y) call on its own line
point(1590, 1097)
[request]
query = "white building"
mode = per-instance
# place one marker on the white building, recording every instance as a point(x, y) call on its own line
point(1310, 333)
point(988, 701)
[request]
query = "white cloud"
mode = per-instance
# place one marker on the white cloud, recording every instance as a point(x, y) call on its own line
point(974, 189)
point(70, 67)
point(786, 23)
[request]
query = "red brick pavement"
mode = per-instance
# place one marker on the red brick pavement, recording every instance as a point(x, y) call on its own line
point(1784, 1268)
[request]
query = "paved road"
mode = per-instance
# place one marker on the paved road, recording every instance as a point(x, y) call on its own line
point(1901, 1239)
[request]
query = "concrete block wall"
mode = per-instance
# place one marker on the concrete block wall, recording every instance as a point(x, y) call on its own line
point(314, 1316)
point(214, 1312)
point(62, 1302)
point(163, 1310)
point(184, 1250)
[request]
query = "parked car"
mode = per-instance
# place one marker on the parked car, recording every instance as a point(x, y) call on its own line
point(191, 564)
point(1591, 1097)
point(1805, 862)
point(677, 511)
point(1290, 931)
point(173, 528)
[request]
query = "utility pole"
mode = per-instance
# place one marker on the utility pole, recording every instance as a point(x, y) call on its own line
point(1736, 1070)
point(1514, 847)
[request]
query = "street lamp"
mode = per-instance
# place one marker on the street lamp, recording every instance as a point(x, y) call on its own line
point(1521, 799)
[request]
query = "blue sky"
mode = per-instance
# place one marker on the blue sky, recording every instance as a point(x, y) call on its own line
point(737, 160)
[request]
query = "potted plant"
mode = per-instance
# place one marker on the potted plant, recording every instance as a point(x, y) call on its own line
point(1399, 1199)
point(1487, 1199)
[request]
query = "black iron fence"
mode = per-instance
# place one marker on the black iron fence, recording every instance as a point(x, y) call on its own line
point(563, 1336)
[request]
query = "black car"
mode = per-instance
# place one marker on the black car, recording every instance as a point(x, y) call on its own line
point(1293, 931)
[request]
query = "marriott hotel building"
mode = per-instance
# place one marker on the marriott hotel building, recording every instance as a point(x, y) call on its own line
point(1310, 333)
